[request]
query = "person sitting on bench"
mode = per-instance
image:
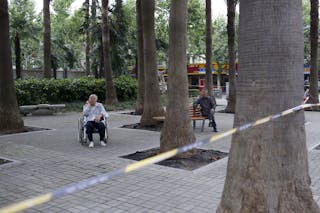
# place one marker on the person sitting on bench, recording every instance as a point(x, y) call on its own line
point(208, 106)
point(94, 115)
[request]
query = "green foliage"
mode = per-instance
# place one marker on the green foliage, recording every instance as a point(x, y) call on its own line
point(118, 38)
point(36, 91)
point(126, 87)
point(25, 25)
point(193, 92)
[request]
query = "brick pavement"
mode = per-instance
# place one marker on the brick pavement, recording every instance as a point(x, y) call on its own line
point(50, 159)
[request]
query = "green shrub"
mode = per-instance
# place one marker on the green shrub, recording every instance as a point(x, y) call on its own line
point(36, 91)
point(193, 92)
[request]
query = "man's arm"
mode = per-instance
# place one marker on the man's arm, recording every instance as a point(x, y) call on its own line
point(85, 109)
point(213, 103)
point(196, 103)
point(103, 111)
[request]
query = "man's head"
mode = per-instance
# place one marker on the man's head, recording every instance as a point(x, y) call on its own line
point(204, 93)
point(93, 99)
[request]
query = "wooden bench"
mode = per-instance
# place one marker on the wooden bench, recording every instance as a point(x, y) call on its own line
point(195, 115)
point(41, 109)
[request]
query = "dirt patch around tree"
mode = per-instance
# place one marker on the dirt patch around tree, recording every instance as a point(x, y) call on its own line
point(4, 161)
point(202, 157)
point(23, 130)
point(138, 126)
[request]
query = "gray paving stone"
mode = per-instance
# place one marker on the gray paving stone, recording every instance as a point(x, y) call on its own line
point(51, 159)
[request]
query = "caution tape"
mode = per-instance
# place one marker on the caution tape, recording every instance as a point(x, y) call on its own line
point(72, 188)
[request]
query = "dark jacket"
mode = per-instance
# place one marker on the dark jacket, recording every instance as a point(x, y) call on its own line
point(206, 104)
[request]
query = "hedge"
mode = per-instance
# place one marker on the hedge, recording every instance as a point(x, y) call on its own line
point(36, 91)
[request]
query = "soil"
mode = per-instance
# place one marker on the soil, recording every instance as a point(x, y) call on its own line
point(130, 113)
point(4, 161)
point(201, 158)
point(24, 129)
point(138, 126)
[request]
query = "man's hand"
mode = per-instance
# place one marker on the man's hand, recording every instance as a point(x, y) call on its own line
point(98, 118)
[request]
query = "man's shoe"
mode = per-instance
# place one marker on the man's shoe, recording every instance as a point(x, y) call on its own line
point(91, 144)
point(215, 130)
point(103, 143)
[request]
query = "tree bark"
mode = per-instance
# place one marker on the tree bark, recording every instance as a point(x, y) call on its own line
point(87, 36)
point(209, 79)
point(17, 50)
point(314, 27)
point(94, 25)
point(268, 165)
point(140, 64)
point(9, 112)
point(177, 130)
point(231, 34)
point(152, 102)
point(111, 97)
point(47, 39)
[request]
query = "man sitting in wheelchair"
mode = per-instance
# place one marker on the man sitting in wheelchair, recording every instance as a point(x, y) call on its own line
point(95, 117)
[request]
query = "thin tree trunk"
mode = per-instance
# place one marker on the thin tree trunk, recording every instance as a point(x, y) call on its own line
point(314, 26)
point(10, 116)
point(140, 64)
point(111, 97)
point(47, 39)
point(87, 36)
point(177, 130)
point(209, 79)
point(94, 25)
point(268, 165)
point(152, 102)
point(17, 50)
point(231, 35)
point(65, 72)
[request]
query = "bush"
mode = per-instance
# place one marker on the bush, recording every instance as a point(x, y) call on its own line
point(193, 92)
point(36, 91)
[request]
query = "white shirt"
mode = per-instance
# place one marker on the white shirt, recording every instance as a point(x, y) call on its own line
point(91, 112)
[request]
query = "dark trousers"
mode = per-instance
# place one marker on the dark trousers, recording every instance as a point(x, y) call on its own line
point(212, 120)
point(91, 125)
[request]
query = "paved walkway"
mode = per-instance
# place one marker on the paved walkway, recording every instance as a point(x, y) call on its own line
point(50, 159)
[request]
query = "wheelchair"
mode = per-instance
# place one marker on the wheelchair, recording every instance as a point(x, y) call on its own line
point(82, 135)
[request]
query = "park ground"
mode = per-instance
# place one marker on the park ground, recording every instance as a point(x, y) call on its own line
point(46, 160)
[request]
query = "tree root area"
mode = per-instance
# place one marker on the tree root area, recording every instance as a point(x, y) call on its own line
point(156, 128)
point(22, 130)
point(200, 158)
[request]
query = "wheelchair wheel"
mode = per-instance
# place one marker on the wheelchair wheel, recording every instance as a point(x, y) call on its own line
point(81, 133)
point(107, 134)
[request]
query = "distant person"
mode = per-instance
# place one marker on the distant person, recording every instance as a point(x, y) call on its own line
point(208, 106)
point(94, 117)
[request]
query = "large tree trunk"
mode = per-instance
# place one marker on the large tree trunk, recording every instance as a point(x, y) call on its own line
point(314, 25)
point(111, 97)
point(46, 39)
point(87, 35)
point(209, 79)
point(177, 130)
point(17, 50)
point(152, 102)
point(231, 34)
point(10, 116)
point(140, 64)
point(268, 165)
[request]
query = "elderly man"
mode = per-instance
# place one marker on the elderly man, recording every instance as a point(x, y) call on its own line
point(207, 105)
point(94, 114)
